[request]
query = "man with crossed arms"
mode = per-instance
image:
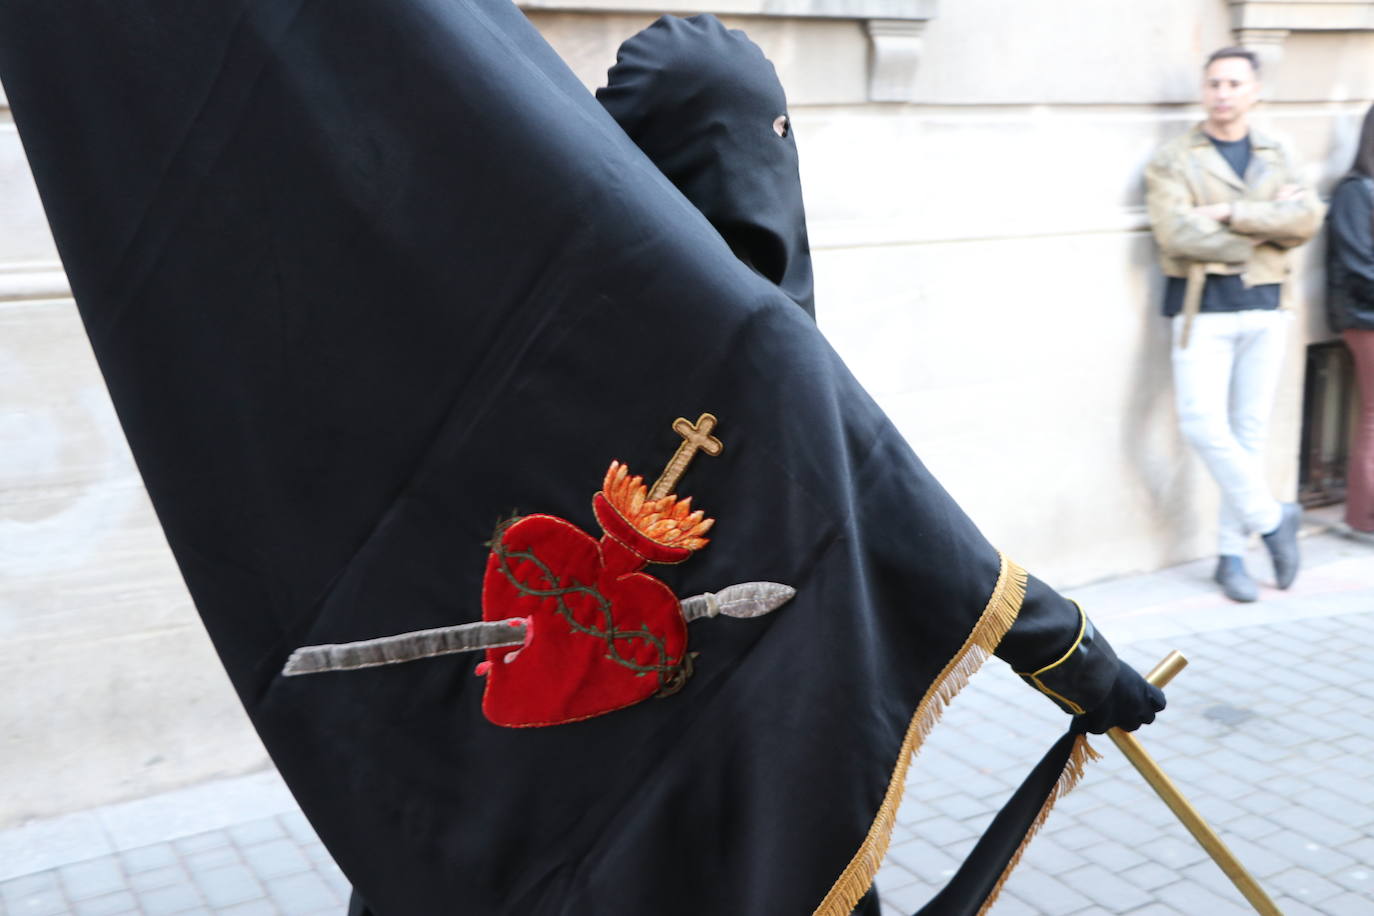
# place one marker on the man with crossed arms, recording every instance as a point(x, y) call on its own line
point(1226, 204)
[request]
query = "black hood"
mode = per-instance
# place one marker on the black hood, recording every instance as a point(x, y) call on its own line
point(701, 101)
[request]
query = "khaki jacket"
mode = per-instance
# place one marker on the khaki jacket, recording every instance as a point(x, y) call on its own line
point(1188, 172)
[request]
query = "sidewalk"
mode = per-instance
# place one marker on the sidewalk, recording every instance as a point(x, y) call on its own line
point(232, 846)
point(1269, 732)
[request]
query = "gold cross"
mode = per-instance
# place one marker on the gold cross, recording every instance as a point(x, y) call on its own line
point(695, 436)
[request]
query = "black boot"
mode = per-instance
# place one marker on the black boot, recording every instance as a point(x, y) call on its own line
point(1283, 545)
point(1235, 582)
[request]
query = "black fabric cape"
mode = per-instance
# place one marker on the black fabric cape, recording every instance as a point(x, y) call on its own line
point(365, 277)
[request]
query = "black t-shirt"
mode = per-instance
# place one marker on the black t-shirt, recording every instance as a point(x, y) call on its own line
point(1225, 292)
point(1235, 152)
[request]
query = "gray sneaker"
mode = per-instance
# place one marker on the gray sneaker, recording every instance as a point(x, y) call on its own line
point(1283, 545)
point(1235, 582)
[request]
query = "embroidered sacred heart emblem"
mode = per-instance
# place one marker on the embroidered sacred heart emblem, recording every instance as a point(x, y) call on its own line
point(599, 634)
point(572, 626)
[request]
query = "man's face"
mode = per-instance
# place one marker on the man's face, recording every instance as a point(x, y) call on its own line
point(1230, 89)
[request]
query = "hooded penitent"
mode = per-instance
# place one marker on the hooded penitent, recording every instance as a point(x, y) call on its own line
point(706, 106)
point(380, 292)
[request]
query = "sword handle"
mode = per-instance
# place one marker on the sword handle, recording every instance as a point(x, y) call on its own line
point(1162, 673)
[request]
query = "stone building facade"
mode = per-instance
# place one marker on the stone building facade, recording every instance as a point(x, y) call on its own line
point(972, 170)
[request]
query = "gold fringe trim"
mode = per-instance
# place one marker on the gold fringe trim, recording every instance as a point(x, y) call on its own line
point(1078, 641)
point(997, 618)
point(1079, 758)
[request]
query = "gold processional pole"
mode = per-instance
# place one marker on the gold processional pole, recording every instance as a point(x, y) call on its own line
point(1164, 672)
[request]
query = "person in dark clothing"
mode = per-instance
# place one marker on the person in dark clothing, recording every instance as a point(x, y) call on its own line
point(1350, 310)
point(706, 106)
point(346, 336)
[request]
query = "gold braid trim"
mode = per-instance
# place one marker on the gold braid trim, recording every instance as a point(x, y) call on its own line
point(1079, 757)
point(997, 618)
point(1078, 641)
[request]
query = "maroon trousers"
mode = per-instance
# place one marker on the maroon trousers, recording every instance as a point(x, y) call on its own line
point(1359, 501)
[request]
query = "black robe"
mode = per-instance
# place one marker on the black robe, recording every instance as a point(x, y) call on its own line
point(366, 278)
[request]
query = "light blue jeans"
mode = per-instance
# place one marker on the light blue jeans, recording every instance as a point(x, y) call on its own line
point(1224, 386)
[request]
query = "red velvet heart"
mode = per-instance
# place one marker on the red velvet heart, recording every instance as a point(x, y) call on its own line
point(598, 637)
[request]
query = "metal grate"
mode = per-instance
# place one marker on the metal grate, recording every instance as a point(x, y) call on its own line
point(1328, 406)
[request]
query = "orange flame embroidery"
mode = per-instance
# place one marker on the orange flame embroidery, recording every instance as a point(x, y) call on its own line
point(665, 521)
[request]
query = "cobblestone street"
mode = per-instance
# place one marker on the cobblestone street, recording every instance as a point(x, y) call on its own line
point(1268, 732)
point(256, 868)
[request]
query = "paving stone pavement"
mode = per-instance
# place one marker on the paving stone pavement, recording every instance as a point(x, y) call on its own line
point(272, 866)
point(1269, 732)
point(1266, 733)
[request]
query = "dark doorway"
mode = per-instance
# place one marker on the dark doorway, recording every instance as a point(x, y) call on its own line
point(1328, 404)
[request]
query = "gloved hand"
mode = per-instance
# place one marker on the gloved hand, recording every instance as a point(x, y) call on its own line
point(1131, 703)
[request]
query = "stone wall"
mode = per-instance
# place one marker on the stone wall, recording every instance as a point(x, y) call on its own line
point(111, 689)
point(29, 267)
point(973, 179)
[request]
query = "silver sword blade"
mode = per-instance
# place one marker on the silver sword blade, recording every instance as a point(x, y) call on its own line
point(746, 599)
point(406, 647)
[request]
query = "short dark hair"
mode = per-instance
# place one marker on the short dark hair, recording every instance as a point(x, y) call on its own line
point(1235, 51)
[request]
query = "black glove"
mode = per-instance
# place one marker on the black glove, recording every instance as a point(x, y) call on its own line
point(1131, 703)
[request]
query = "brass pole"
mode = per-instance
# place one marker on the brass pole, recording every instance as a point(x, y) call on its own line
point(1172, 664)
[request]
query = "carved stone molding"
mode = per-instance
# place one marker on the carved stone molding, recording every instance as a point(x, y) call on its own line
point(793, 9)
point(895, 57)
point(1264, 25)
point(24, 281)
point(1302, 15)
point(894, 27)
point(1267, 44)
